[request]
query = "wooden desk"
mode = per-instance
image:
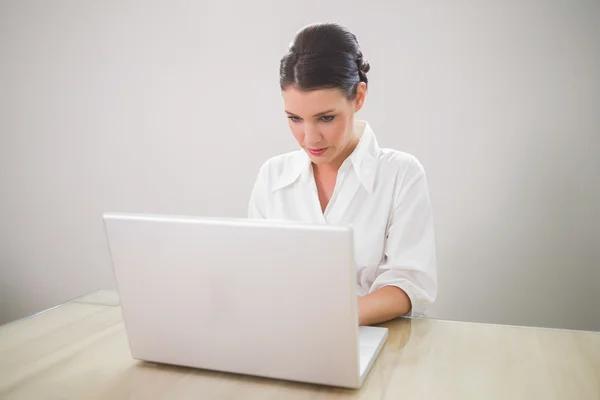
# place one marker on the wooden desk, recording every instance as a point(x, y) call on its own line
point(79, 351)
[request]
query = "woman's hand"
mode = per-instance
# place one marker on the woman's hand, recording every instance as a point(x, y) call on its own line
point(382, 305)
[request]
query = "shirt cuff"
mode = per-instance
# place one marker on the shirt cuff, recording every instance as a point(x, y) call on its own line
point(419, 299)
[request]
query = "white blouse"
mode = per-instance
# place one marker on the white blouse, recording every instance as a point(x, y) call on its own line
point(382, 194)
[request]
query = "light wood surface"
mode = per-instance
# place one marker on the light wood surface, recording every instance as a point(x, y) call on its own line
point(79, 350)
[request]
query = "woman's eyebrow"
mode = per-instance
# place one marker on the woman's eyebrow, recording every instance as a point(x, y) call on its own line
point(316, 115)
point(323, 113)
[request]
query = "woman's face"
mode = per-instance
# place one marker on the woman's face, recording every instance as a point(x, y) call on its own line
point(322, 121)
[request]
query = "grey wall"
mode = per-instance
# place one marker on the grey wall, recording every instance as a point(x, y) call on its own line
point(171, 107)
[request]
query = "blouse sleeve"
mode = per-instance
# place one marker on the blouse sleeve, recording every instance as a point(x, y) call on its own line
point(410, 256)
point(257, 204)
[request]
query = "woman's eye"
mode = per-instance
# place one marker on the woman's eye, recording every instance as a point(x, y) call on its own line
point(328, 118)
point(294, 119)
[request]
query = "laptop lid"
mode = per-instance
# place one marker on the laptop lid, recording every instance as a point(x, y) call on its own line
point(244, 296)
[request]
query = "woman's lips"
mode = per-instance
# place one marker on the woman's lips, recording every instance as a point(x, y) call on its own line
point(317, 152)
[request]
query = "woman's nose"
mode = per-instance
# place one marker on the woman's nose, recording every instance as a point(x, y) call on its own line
point(311, 134)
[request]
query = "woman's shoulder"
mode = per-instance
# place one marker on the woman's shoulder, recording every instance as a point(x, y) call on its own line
point(282, 167)
point(281, 162)
point(401, 163)
point(402, 170)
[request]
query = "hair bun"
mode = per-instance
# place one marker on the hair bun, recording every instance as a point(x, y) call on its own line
point(364, 66)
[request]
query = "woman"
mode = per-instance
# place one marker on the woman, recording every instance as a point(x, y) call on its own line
point(341, 176)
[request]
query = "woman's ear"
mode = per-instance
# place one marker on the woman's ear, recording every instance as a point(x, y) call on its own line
point(361, 95)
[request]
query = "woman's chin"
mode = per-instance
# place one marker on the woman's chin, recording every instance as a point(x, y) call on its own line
point(319, 160)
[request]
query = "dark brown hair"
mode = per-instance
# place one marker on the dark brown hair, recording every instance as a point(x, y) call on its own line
point(322, 56)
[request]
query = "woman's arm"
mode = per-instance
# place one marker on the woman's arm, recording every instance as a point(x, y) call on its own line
point(383, 305)
point(407, 278)
point(257, 203)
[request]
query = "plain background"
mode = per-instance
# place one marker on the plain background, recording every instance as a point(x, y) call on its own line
point(172, 106)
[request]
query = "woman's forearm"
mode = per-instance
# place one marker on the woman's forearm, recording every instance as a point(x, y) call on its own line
point(382, 305)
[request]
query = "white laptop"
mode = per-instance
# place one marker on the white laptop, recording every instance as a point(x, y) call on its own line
point(253, 297)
